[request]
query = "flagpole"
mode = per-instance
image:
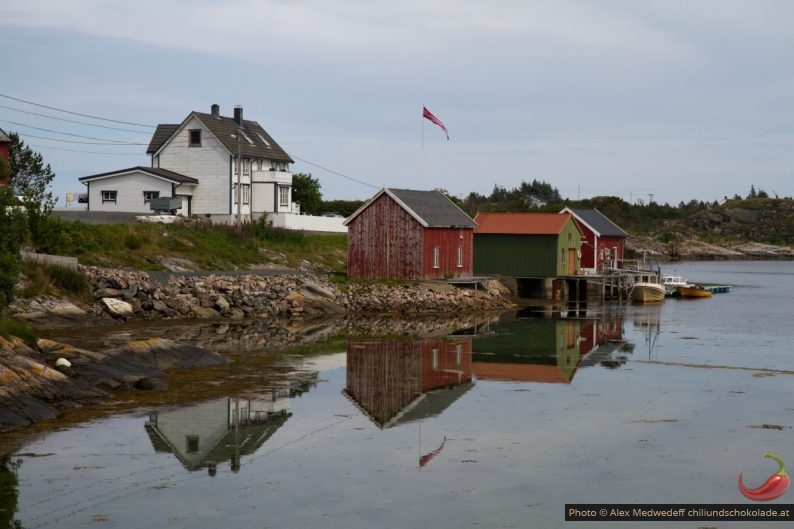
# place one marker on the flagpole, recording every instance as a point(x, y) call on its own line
point(422, 153)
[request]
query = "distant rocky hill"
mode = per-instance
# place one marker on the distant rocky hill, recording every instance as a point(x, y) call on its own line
point(760, 228)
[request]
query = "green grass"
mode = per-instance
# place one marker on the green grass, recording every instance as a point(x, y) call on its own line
point(11, 327)
point(211, 247)
point(54, 280)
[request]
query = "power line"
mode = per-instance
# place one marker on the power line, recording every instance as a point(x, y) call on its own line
point(335, 172)
point(77, 113)
point(75, 121)
point(117, 142)
point(85, 152)
point(78, 141)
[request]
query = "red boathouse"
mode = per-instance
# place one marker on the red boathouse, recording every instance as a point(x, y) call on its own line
point(409, 234)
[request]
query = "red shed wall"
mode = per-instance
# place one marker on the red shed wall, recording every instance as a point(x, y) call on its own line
point(605, 245)
point(448, 240)
point(384, 241)
point(4, 154)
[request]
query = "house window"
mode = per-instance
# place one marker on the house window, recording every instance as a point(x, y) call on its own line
point(435, 360)
point(149, 195)
point(458, 354)
point(283, 196)
point(436, 257)
point(460, 256)
point(263, 140)
point(109, 196)
point(246, 165)
point(246, 194)
point(194, 136)
point(191, 444)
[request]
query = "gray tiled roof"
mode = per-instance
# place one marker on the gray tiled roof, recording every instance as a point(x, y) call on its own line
point(599, 222)
point(162, 173)
point(435, 209)
point(4, 137)
point(222, 128)
point(161, 134)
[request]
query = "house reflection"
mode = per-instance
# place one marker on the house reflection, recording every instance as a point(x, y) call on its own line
point(221, 430)
point(520, 347)
point(397, 381)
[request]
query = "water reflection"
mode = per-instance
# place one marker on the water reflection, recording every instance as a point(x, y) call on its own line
point(399, 380)
point(395, 381)
point(221, 430)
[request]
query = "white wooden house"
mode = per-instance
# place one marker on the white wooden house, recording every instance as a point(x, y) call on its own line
point(197, 161)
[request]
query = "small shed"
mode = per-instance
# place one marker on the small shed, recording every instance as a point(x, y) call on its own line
point(538, 245)
point(5, 144)
point(602, 240)
point(409, 234)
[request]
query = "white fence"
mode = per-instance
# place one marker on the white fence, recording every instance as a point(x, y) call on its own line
point(59, 260)
point(292, 221)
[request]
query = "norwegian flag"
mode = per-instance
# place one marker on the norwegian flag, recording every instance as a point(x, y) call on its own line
point(429, 115)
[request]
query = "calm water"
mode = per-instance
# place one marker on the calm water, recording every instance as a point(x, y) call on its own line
point(631, 404)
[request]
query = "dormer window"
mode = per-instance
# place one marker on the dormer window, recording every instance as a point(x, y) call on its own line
point(194, 138)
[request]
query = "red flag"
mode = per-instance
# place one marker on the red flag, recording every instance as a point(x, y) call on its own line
point(429, 115)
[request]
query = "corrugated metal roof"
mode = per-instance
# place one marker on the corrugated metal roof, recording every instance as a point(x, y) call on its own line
point(521, 223)
point(598, 222)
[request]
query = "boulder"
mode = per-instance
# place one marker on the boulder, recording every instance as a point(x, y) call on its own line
point(118, 308)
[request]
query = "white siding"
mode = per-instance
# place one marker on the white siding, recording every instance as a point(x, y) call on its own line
point(209, 164)
point(129, 189)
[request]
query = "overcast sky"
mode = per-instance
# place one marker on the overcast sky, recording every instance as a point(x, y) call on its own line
point(675, 99)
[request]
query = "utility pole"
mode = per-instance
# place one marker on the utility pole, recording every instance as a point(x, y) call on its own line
point(239, 186)
point(650, 198)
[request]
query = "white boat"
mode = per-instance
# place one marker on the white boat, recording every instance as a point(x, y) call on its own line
point(674, 281)
point(647, 288)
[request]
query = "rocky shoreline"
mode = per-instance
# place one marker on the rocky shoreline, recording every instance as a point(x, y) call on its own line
point(41, 380)
point(122, 295)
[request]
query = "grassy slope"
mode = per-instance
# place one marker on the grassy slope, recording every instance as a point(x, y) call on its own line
point(213, 248)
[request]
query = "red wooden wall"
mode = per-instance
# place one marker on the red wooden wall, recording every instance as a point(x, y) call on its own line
point(385, 241)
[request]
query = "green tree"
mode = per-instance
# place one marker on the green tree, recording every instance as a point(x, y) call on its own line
point(306, 192)
point(30, 176)
point(12, 236)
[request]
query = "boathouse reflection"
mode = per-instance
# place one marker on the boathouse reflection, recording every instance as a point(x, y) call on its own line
point(520, 346)
point(395, 381)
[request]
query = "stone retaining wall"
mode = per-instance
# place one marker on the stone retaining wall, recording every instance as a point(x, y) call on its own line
point(133, 295)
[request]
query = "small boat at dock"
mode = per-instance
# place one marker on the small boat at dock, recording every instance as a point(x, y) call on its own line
point(693, 291)
point(647, 288)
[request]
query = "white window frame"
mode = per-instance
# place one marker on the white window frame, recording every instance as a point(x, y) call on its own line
point(460, 256)
point(283, 196)
point(436, 257)
point(149, 195)
point(109, 196)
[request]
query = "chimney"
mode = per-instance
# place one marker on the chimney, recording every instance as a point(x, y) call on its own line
point(238, 115)
point(216, 111)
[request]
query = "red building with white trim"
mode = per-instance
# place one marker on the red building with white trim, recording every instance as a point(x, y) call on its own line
point(409, 234)
point(603, 241)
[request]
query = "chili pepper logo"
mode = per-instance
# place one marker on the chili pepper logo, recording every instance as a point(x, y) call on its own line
point(774, 487)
